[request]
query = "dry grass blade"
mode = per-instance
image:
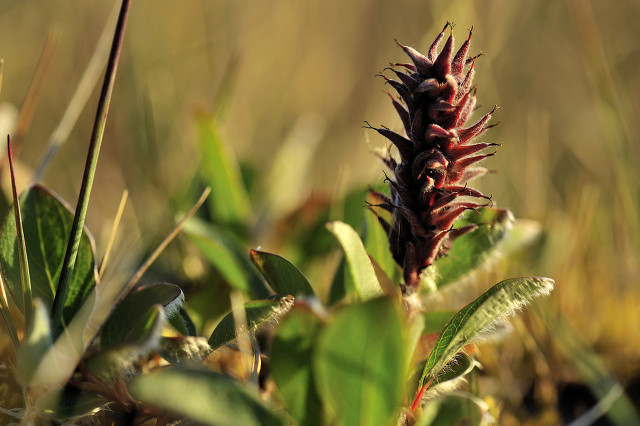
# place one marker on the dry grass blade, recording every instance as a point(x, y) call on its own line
point(174, 232)
point(112, 236)
point(86, 85)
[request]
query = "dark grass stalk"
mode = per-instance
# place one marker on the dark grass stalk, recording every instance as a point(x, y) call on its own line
point(89, 171)
point(27, 297)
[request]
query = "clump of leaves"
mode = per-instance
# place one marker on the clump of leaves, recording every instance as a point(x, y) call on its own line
point(87, 351)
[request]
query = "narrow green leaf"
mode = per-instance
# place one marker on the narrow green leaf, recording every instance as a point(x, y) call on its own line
point(229, 199)
point(127, 323)
point(364, 277)
point(376, 242)
point(205, 397)
point(69, 403)
point(292, 353)
point(228, 256)
point(117, 361)
point(23, 260)
point(35, 344)
point(499, 301)
point(47, 223)
point(282, 275)
point(447, 380)
point(359, 364)
point(258, 313)
point(63, 289)
point(471, 250)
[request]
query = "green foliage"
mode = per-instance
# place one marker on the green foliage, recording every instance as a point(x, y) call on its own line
point(205, 397)
point(359, 364)
point(359, 266)
point(471, 250)
point(47, 223)
point(293, 350)
point(499, 301)
point(258, 313)
point(352, 354)
point(129, 321)
point(282, 275)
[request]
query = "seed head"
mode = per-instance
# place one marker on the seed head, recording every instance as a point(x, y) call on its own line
point(437, 154)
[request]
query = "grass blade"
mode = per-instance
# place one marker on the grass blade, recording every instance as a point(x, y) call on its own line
point(89, 171)
point(27, 298)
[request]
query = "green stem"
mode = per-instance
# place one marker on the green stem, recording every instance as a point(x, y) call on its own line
point(89, 172)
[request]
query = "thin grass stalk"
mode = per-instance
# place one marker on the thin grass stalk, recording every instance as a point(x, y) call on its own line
point(25, 278)
point(89, 171)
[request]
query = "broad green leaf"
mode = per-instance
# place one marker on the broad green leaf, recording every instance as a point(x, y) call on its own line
point(473, 249)
point(359, 364)
point(205, 397)
point(292, 353)
point(258, 313)
point(282, 275)
point(69, 403)
point(364, 277)
point(228, 256)
point(47, 223)
point(34, 345)
point(229, 200)
point(117, 361)
point(499, 301)
point(127, 322)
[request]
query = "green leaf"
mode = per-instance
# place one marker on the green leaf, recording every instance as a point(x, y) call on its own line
point(360, 267)
point(228, 256)
point(499, 301)
point(458, 410)
point(376, 242)
point(282, 275)
point(449, 377)
point(47, 223)
point(117, 361)
point(473, 249)
point(258, 313)
point(204, 397)
point(359, 364)
point(292, 353)
point(229, 202)
point(127, 323)
point(69, 403)
point(35, 344)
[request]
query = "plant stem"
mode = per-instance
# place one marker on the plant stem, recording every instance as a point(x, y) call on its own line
point(89, 172)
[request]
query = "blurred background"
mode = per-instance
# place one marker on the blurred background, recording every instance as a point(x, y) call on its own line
point(292, 82)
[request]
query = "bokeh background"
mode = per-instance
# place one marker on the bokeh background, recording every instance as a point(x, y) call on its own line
point(301, 75)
